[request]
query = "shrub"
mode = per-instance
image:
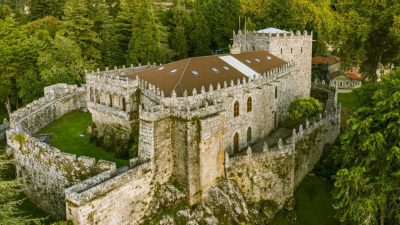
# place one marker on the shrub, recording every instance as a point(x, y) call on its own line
point(304, 108)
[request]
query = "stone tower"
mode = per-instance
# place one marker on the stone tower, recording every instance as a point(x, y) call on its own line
point(290, 46)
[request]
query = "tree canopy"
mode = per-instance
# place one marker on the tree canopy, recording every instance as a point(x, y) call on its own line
point(367, 187)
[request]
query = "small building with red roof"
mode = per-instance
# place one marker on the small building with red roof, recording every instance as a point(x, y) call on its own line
point(348, 80)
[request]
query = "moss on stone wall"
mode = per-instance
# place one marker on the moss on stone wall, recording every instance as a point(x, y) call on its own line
point(115, 139)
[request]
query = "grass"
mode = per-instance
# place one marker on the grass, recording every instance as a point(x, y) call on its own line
point(313, 204)
point(66, 136)
point(348, 100)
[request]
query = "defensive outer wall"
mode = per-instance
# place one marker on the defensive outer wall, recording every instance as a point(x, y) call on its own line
point(90, 192)
point(45, 171)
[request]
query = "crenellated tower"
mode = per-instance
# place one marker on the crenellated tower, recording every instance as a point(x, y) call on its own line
point(288, 45)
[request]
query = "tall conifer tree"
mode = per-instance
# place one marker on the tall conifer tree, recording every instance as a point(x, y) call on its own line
point(144, 45)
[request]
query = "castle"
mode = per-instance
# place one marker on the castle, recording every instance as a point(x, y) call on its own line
point(195, 121)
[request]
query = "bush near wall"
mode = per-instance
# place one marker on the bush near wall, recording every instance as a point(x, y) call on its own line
point(304, 108)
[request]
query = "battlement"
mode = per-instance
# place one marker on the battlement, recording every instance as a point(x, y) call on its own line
point(297, 34)
point(52, 94)
point(195, 95)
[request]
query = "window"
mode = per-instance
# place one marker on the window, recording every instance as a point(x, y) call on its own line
point(276, 91)
point(110, 100)
point(248, 61)
point(215, 70)
point(249, 104)
point(248, 134)
point(174, 71)
point(236, 109)
point(301, 50)
point(195, 73)
point(281, 51)
point(123, 104)
point(291, 50)
point(236, 143)
point(226, 68)
point(269, 57)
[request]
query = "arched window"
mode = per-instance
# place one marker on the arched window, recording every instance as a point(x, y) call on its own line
point(248, 134)
point(236, 109)
point(123, 102)
point(276, 91)
point(249, 104)
point(110, 100)
point(236, 143)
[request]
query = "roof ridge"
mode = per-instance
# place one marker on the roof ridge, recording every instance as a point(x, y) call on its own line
point(180, 78)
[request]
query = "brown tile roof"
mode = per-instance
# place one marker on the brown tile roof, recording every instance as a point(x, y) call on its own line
point(353, 75)
point(329, 60)
point(199, 72)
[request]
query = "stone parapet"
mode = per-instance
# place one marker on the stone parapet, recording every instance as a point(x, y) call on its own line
point(58, 99)
point(45, 171)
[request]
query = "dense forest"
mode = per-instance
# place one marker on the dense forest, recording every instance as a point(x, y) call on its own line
point(43, 42)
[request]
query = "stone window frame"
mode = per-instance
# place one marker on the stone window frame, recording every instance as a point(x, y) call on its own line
point(249, 104)
point(236, 109)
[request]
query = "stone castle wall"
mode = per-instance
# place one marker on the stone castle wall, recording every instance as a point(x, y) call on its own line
point(45, 171)
point(273, 174)
point(113, 197)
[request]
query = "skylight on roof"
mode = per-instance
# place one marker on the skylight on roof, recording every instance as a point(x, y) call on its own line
point(269, 57)
point(257, 60)
point(161, 68)
point(174, 71)
point(215, 70)
point(226, 68)
point(248, 61)
point(195, 73)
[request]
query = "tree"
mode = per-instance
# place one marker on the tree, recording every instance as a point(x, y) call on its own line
point(41, 8)
point(123, 28)
point(304, 108)
point(178, 25)
point(308, 15)
point(79, 28)
point(367, 186)
point(144, 45)
point(223, 16)
point(63, 62)
point(369, 39)
point(104, 26)
point(200, 36)
point(18, 54)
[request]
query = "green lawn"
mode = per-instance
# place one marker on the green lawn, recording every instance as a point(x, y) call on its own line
point(348, 100)
point(66, 133)
point(313, 205)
